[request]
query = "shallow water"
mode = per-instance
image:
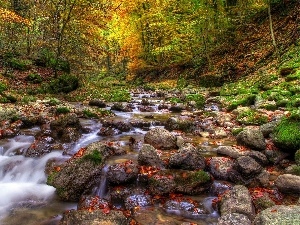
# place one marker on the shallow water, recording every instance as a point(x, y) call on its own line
point(26, 199)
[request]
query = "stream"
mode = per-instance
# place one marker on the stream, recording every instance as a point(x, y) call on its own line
point(26, 199)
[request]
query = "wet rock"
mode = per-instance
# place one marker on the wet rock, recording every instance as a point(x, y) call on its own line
point(89, 202)
point(188, 157)
point(141, 124)
point(259, 157)
point(108, 131)
point(234, 219)
point(279, 214)
point(41, 146)
point(268, 128)
point(122, 172)
point(192, 182)
point(247, 166)
point(253, 139)
point(120, 125)
point(70, 134)
point(176, 108)
point(148, 156)
point(187, 208)
point(162, 106)
point(63, 125)
point(96, 217)
point(263, 202)
point(162, 183)
point(137, 201)
point(237, 200)
point(121, 107)
point(160, 138)
point(81, 173)
point(97, 102)
point(220, 187)
point(219, 132)
point(275, 155)
point(186, 124)
point(261, 180)
point(288, 183)
point(220, 167)
point(146, 109)
point(230, 151)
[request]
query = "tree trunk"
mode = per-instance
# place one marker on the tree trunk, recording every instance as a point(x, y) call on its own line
point(272, 32)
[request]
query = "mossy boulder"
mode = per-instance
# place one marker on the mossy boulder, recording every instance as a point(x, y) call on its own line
point(286, 135)
point(81, 173)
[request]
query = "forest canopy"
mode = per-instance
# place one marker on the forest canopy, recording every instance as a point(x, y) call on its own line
point(123, 35)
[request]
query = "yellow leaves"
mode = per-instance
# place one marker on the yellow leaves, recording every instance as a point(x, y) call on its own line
point(11, 17)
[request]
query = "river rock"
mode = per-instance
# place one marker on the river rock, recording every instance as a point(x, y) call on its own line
point(183, 124)
point(81, 173)
point(121, 107)
point(288, 183)
point(247, 166)
point(192, 182)
point(140, 200)
point(188, 157)
point(148, 156)
point(279, 214)
point(268, 128)
point(96, 217)
point(41, 146)
point(234, 219)
point(66, 128)
point(120, 125)
point(162, 183)
point(122, 172)
point(259, 157)
point(160, 138)
point(251, 138)
point(237, 200)
point(230, 151)
point(89, 202)
point(97, 102)
point(220, 167)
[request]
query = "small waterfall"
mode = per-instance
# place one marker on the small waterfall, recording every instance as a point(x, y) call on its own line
point(101, 190)
point(23, 179)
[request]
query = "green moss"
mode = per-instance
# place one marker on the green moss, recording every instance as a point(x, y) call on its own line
point(286, 134)
point(198, 98)
point(95, 156)
point(236, 131)
point(193, 177)
point(294, 76)
point(34, 78)
point(201, 176)
point(51, 177)
point(20, 64)
point(89, 114)
point(297, 157)
point(175, 100)
point(28, 98)
point(252, 117)
point(295, 169)
point(62, 110)
point(240, 100)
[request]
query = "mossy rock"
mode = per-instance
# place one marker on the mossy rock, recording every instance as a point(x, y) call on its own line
point(297, 157)
point(252, 117)
point(241, 100)
point(286, 134)
point(20, 64)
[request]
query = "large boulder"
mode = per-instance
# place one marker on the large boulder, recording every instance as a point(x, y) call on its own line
point(81, 173)
point(66, 128)
point(247, 166)
point(148, 156)
point(188, 157)
point(279, 214)
point(286, 135)
point(230, 151)
point(160, 138)
point(184, 124)
point(96, 217)
point(122, 172)
point(237, 200)
point(251, 138)
point(288, 183)
point(220, 167)
point(234, 219)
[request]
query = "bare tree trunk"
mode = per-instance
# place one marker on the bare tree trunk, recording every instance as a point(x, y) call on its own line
point(272, 31)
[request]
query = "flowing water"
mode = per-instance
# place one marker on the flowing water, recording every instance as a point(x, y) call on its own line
point(25, 199)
